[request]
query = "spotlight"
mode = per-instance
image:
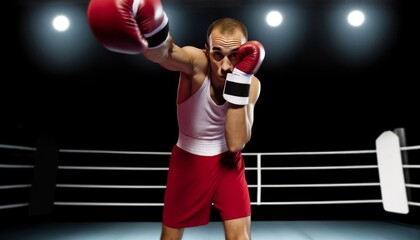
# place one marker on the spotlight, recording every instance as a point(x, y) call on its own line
point(274, 18)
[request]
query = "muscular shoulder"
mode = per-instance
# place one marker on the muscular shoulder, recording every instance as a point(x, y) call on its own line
point(191, 81)
point(198, 59)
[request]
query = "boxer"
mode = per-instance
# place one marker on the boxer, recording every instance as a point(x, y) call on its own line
point(216, 96)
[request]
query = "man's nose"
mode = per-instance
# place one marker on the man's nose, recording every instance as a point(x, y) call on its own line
point(227, 65)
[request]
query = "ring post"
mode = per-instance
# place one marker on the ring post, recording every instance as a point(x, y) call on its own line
point(391, 175)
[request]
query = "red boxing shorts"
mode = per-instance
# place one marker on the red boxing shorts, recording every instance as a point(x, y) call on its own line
point(196, 182)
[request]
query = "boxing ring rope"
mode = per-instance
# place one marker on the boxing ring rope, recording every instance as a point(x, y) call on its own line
point(259, 169)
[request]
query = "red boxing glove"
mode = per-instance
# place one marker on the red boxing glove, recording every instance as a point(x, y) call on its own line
point(250, 56)
point(128, 26)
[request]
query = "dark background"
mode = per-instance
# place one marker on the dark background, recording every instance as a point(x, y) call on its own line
point(312, 98)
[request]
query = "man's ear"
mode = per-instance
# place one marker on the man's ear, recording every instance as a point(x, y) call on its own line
point(206, 49)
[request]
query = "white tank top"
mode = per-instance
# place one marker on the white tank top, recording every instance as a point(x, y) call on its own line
point(201, 123)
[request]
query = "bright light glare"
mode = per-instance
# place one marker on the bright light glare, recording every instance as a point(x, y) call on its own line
point(61, 23)
point(274, 18)
point(356, 18)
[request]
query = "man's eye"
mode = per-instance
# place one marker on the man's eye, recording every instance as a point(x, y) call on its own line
point(217, 56)
point(232, 57)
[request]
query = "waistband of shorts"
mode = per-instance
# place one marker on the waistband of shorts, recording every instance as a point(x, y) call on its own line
point(200, 146)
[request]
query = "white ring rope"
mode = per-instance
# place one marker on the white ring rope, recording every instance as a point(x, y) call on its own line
point(7, 146)
point(109, 186)
point(315, 168)
point(322, 202)
point(106, 204)
point(15, 166)
point(113, 152)
point(411, 166)
point(16, 205)
point(15, 186)
point(317, 185)
point(113, 168)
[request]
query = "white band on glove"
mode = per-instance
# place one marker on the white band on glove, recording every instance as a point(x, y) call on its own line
point(159, 36)
point(237, 86)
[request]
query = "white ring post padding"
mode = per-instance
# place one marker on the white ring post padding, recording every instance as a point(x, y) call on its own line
point(391, 175)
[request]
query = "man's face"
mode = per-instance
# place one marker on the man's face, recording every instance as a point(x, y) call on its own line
point(222, 50)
